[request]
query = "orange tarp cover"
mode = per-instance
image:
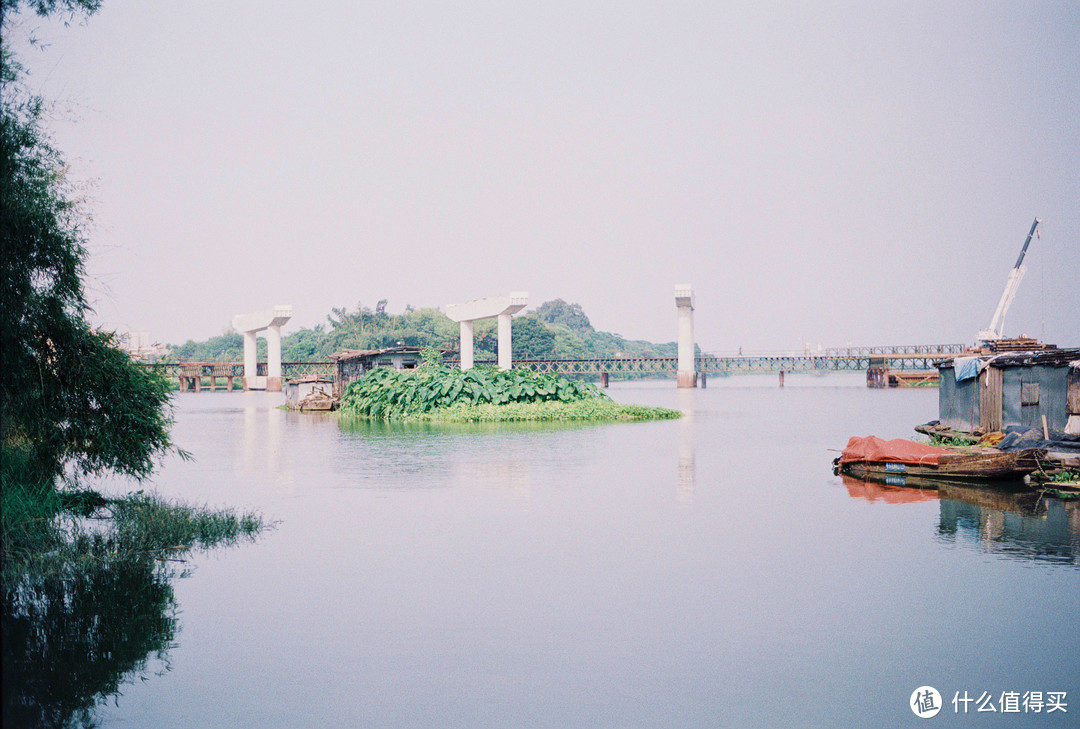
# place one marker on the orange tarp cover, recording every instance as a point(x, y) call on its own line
point(899, 450)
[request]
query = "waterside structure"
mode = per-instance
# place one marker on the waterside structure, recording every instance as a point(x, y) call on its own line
point(990, 392)
point(352, 364)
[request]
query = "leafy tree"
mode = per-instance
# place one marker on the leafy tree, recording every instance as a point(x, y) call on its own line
point(303, 346)
point(555, 329)
point(532, 337)
point(227, 347)
point(569, 315)
point(68, 395)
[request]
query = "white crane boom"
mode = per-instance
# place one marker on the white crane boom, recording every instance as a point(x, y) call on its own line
point(997, 324)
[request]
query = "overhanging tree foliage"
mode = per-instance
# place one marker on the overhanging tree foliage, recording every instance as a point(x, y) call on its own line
point(67, 395)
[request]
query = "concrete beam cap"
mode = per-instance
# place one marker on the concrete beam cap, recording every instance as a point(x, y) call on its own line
point(488, 308)
point(684, 295)
point(263, 319)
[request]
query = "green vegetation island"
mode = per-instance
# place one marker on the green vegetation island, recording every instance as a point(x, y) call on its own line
point(435, 393)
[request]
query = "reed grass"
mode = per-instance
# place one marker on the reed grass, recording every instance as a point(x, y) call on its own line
point(43, 526)
point(148, 523)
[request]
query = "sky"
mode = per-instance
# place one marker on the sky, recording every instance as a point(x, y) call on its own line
point(822, 173)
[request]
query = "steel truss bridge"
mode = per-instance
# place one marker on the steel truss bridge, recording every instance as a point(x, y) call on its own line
point(850, 359)
point(861, 359)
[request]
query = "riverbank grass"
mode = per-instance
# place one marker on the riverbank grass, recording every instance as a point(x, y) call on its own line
point(41, 524)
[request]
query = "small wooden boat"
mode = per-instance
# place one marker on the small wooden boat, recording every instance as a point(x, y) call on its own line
point(917, 464)
point(318, 400)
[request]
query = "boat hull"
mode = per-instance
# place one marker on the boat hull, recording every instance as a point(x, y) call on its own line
point(965, 468)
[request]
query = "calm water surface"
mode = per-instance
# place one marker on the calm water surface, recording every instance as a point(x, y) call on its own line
point(705, 572)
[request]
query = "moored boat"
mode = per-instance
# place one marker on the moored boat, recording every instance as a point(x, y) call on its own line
point(319, 400)
point(918, 464)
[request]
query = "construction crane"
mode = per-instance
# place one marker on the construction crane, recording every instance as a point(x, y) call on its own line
point(995, 331)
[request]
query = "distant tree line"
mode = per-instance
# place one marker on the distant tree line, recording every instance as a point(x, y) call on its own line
point(553, 329)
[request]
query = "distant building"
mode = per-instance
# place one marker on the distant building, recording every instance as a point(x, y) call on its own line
point(991, 392)
point(352, 364)
point(138, 345)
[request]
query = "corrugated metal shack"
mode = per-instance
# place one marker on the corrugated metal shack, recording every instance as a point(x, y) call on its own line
point(353, 363)
point(990, 392)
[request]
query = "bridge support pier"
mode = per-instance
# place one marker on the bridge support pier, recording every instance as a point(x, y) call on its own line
point(781, 378)
point(604, 380)
point(684, 300)
point(250, 325)
point(466, 345)
point(505, 361)
point(273, 358)
point(501, 308)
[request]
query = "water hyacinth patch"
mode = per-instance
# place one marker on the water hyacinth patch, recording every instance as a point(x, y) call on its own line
point(433, 392)
point(387, 393)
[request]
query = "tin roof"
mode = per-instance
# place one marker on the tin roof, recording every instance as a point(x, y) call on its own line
point(1044, 357)
point(356, 353)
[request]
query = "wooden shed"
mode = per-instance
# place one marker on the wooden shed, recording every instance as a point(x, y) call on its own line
point(990, 392)
point(353, 363)
point(297, 388)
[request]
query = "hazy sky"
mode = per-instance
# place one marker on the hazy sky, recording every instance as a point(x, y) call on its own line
point(823, 173)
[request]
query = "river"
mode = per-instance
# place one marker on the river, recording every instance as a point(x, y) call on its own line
point(708, 572)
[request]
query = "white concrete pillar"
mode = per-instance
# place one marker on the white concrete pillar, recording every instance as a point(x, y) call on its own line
point(466, 345)
point(505, 356)
point(250, 325)
point(471, 311)
point(273, 358)
point(684, 300)
point(251, 352)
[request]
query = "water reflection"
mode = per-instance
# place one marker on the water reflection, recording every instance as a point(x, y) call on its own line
point(263, 440)
point(1020, 525)
point(74, 634)
point(884, 493)
point(686, 474)
point(476, 456)
point(1013, 525)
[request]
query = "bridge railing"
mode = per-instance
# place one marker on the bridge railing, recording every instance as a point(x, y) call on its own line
point(236, 369)
point(847, 359)
point(928, 349)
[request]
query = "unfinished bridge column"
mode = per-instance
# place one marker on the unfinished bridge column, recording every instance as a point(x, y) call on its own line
point(250, 325)
point(684, 300)
point(505, 361)
point(273, 358)
point(466, 345)
point(500, 307)
point(251, 360)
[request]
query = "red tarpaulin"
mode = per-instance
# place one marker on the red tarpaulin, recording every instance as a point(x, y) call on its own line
point(899, 450)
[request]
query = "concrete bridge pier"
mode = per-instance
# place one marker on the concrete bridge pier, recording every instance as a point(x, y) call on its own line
point(250, 325)
point(466, 346)
point(684, 300)
point(273, 358)
point(505, 338)
point(251, 358)
point(501, 308)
